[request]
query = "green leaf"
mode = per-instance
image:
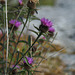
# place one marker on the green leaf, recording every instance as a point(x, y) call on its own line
point(23, 72)
point(34, 18)
point(36, 27)
point(19, 52)
point(29, 40)
point(29, 72)
point(33, 31)
point(17, 58)
point(39, 56)
point(12, 41)
point(23, 41)
point(27, 62)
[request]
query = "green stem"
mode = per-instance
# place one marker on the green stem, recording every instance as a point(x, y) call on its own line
point(27, 50)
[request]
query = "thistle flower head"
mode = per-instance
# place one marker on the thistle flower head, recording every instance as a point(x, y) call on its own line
point(30, 60)
point(21, 1)
point(46, 22)
point(15, 22)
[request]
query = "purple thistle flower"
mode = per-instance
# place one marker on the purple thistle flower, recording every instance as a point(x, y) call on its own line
point(51, 29)
point(16, 66)
point(20, 1)
point(15, 22)
point(30, 60)
point(46, 22)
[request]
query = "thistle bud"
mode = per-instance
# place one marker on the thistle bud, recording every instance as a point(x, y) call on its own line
point(27, 67)
point(2, 1)
point(43, 28)
point(34, 49)
point(51, 34)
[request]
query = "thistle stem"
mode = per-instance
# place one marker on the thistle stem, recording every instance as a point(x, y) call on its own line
point(27, 50)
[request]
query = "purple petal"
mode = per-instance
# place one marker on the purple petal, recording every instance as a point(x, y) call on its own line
point(46, 22)
point(30, 60)
point(15, 22)
point(16, 66)
point(20, 1)
point(51, 29)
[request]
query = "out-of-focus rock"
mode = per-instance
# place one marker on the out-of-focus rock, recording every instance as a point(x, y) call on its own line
point(69, 60)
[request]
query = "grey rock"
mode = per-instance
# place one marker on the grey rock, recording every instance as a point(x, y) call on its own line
point(69, 61)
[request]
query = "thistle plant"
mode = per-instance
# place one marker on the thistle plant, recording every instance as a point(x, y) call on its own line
point(24, 61)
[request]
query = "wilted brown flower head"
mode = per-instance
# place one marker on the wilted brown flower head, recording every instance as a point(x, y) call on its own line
point(31, 4)
point(35, 1)
point(2, 1)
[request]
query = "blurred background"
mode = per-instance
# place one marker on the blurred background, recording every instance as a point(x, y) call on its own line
point(62, 14)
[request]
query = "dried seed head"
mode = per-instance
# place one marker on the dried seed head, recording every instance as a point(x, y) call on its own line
point(31, 4)
point(35, 1)
point(2, 1)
